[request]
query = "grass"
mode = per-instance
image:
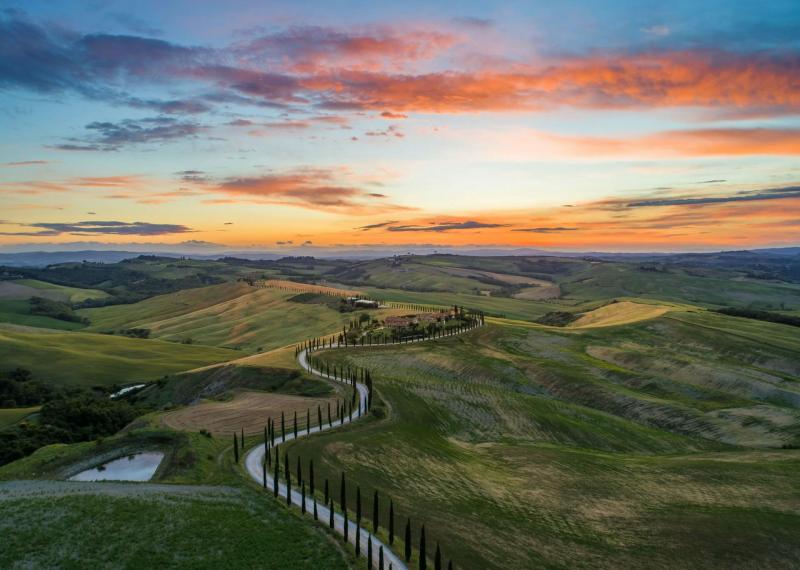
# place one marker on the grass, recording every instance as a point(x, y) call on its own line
point(10, 416)
point(17, 312)
point(210, 529)
point(518, 448)
point(63, 292)
point(232, 315)
point(88, 359)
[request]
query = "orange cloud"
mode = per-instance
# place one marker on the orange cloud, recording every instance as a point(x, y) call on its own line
point(699, 142)
point(663, 79)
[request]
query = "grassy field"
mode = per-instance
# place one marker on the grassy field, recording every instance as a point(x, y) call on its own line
point(27, 288)
point(232, 315)
point(10, 416)
point(248, 411)
point(96, 359)
point(529, 448)
point(139, 528)
point(17, 312)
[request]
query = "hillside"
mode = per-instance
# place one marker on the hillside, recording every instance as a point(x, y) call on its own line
point(87, 359)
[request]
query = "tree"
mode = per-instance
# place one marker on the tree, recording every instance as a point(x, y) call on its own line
point(288, 477)
point(299, 471)
point(375, 513)
point(380, 558)
point(283, 428)
point(391, 522)
point(319, 416)
point(330, 512)
point(242, 441)
point(369, 552)
point(450, 565)
point(275, 476)
point(295, 424)
point(437, 559)
point(303, 498)
point(408, 540)
point(423, 562)
point(326, 491)
point(358, 520)
point(235, 449)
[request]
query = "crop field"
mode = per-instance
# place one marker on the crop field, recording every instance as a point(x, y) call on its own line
point(248, 411)
point(233, 315)
point(522, 447)
point(154, 526)
point(96, 359)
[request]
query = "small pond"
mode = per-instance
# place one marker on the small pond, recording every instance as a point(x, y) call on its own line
point(136, 467)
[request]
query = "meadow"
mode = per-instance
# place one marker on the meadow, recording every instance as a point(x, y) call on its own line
point(517, 447)
point(87, 359)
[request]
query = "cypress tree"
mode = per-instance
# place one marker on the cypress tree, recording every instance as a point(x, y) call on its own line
point(275, 476)
point(346, 528)
point(326, 491)
point(242, 442)
point(391, 522)
point(343, 494)
point(330, 512)
point(369, 553)
point(308, 421)
point(283, 428)
point(287, 474)
point(319, 416)
point(299, 471)
point(266, 438)
point(380, 558)
point(295, 424)
point(437, 559)
point(358, 520)
point(303, 498)
point(449, 565)
point(235, 449)
point(329, 415)
point(423, 562)
point(375, 513)
point(408, 540)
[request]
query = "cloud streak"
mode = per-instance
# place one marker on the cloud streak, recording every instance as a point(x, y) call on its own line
point(101, 228)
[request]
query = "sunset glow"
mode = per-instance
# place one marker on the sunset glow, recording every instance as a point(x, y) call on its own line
point(259, 125)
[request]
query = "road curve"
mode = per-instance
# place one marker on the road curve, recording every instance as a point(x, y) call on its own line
point(254, 463)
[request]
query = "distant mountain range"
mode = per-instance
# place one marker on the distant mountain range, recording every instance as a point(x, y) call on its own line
point(43, 258)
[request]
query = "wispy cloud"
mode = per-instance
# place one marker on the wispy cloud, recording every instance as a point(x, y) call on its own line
point(100, 228)
point(109, 136)
point(552, 230)
point(447, 227)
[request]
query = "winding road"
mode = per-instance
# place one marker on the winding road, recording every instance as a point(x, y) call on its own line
point(254, 463)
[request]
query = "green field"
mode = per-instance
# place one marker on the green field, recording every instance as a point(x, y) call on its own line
point(88, 359)
point(233, 315)
point(147, 526)
point(527, 447)
point(17, 312)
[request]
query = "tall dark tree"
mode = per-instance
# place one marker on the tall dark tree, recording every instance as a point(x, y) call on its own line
point(423, 561)
point(319, 416)
point(295, 424)
point(330, 513)
point(326, 491)
point(283, 428)
point(330, 424)
point(299, 471)
point(235, 448)
point(408, 540)
point(380, 558)
point(343, 494)
point(437, 559)
point(449, 565)
point(369, 552)
point(358, 520)
point(303, 498)
point(242, 442)
point(275, 475)
point(375, 513)
point(391, 522)
point(288, 475)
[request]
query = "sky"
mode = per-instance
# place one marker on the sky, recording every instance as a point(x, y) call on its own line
point(574, 125)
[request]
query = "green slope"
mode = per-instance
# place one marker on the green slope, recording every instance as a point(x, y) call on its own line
point(92, 359)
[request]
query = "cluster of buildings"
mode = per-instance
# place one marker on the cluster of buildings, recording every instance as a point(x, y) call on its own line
point(419, 319)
